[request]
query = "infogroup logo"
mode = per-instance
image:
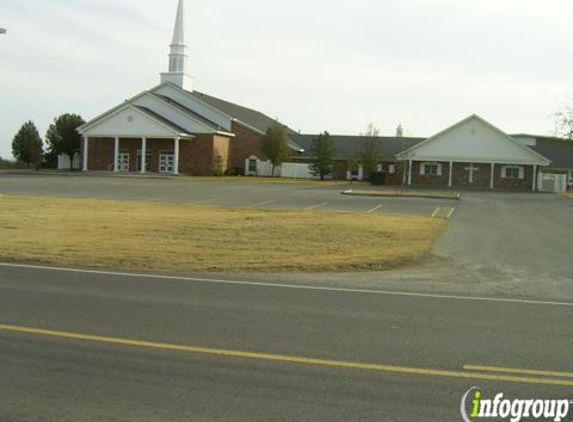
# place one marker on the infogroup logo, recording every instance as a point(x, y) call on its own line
point(475, 406)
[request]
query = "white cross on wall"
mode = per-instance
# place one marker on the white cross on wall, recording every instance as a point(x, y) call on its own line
point(471, 169)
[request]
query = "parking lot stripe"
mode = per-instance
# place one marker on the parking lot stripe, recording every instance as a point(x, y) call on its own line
point(443, 212)
point(258, 204)
point(313, 207)
point(372, 210)
point(206, 201)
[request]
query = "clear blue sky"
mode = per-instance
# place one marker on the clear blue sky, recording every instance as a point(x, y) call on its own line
point(317, 65)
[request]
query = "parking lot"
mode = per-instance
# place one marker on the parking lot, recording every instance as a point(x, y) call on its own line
point(298, 196)
point(522, 240)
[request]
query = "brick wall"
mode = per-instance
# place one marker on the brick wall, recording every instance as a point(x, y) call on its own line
point(396, 178)
point(246, 142)
point(481, 177)
point(526, 183)
point(100, 153)
point(461, 176)
point(196, 156)
point(340, 168)
point(430, 180)
point(221, 149)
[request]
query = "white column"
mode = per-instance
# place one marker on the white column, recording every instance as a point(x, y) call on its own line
point(85, 164)
point(450, 176)
point(176, 157)
point(534, 182)
point(410, 172)
point(143, 155)
point(492, 176)
point(116, 155)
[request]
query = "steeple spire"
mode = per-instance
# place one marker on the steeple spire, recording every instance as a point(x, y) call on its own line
point(178, 67)
point(179, 31)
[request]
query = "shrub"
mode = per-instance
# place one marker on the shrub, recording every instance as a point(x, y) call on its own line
point(235, 171)
point(378, 178)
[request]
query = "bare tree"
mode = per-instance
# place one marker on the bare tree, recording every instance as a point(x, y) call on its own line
point(564, 122)
point(370, 148)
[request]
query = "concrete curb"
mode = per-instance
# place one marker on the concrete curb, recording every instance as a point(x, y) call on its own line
point(351, 192)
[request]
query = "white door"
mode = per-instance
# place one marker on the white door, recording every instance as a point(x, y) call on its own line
point(123, 160)
point(166, 162)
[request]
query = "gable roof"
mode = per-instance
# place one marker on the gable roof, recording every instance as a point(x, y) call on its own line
point(533, 156)
point(559, 151)
point(190, 112)
point(148, 122)
point(252, 118)
point(161, 119)
point(347, 145)
point(142, 101)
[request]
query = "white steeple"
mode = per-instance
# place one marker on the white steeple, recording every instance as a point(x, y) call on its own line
point(178, 68)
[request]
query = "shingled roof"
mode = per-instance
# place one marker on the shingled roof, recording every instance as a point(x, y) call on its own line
point(346, 145)
point(248, 116)
point(559, 151)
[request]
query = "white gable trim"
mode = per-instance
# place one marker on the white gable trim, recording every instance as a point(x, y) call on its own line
point(171, 131)
point(192, 97)
point(182, 113)
point(406, 154)
point(106, 114)
point(246, 126)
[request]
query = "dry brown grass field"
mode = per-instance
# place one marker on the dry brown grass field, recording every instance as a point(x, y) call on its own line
point(178, 238)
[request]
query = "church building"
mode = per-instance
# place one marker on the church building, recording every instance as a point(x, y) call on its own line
point(174, 129)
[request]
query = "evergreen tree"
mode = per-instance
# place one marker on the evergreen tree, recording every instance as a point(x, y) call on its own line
point(352, 166)
point(323, 155)
point(62, 136)
point(275, 145)
point(27, 145)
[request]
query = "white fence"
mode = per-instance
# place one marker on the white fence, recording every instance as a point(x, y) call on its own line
point(287, 170)
point(64, 162)
point(297, 171)
point(265, 169)
point(551, 182)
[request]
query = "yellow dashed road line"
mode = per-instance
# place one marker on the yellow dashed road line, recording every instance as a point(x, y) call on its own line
point(534, 372)
point(286, 359)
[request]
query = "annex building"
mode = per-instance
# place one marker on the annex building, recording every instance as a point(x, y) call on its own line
point(172, 128)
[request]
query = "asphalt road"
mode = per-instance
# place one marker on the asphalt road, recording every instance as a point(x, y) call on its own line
point(49, 377)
